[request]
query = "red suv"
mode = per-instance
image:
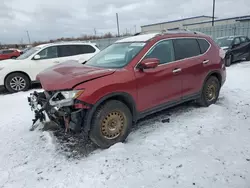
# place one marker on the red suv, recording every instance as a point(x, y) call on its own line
point(9, 54)
point(130, 79)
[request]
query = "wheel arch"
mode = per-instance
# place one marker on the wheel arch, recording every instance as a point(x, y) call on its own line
point(21, 72)
point(217, 74)
point(126, 98)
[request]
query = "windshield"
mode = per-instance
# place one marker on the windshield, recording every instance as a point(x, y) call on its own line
point(224, 42)
point(28, 53)
point(116, 55)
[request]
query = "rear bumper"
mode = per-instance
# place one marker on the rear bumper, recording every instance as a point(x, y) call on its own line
point(69, 116)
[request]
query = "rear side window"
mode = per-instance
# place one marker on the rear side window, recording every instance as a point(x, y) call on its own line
point(204, 45)
point(67, 50)
point(85, 49)
point(7, 51)
point(186, 48)
point(70, 50)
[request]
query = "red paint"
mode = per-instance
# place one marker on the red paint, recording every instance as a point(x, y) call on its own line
point(15, 54)
point(148, 88)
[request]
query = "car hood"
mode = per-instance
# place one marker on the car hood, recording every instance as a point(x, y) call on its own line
point(9, 62)
point(69, 74)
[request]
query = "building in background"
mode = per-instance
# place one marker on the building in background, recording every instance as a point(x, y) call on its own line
point(193, 22)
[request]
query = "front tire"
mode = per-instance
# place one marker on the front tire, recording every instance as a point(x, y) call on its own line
point(16, 82)
point(210, 92)
point(111, 123)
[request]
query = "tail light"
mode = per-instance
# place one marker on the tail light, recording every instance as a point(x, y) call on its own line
point(222, 53)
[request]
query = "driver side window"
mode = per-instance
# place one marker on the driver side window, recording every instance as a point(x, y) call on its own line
point(164, 51)
point(49, 53)
point(237, 41)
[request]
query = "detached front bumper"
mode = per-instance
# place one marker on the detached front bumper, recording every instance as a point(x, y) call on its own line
point(68, 114)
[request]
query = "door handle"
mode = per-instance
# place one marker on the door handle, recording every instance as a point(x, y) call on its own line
point(56, 62)
point(205, 62)
point(177, 70)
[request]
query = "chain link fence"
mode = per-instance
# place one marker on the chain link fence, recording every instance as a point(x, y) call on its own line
point(241, 28)
point(103, 43)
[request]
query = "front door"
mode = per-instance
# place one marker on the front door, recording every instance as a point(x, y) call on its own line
point(238, 49)
point(158, 86)
point(48, 58)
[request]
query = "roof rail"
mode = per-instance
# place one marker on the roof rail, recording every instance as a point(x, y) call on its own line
point(169, 31)
point(73, 41)
point(147, 32)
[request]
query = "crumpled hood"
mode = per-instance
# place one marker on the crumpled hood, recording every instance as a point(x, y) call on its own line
point(67, 75)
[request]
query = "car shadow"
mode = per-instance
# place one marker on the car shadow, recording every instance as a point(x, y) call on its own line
point(3, 91)
point(77, 146)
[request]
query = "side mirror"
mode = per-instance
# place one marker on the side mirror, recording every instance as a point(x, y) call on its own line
point(36, 57)
point(149, 63)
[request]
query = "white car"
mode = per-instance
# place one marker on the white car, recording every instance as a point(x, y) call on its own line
point(18, 74)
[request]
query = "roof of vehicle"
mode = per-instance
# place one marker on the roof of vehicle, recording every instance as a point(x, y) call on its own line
point(145, 36)
point(138, 38)
point(65, 43)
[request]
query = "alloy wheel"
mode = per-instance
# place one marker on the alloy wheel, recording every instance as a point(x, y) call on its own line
point(17, 83)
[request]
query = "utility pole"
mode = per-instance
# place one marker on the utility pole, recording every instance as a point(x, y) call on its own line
point(95, 31)
point(28, 36)
point(135, 28)
point(117, 22)
point(213, 12)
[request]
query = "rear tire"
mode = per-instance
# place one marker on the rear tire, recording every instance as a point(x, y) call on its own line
point(111, 123)
point(229, 60)
point(14, 57)
point(16, 82)
point(210, 92)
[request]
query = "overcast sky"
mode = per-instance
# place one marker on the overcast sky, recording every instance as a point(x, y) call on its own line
point(48, 19)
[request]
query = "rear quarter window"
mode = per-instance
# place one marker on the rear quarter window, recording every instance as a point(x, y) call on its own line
point(186, 48)
point(204, 45)
point(85, 49)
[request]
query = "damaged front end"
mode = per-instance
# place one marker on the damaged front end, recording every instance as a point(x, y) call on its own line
point(61, 107)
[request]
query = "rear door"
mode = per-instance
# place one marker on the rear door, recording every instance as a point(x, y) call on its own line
point(192, 64)
point(162, 84)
